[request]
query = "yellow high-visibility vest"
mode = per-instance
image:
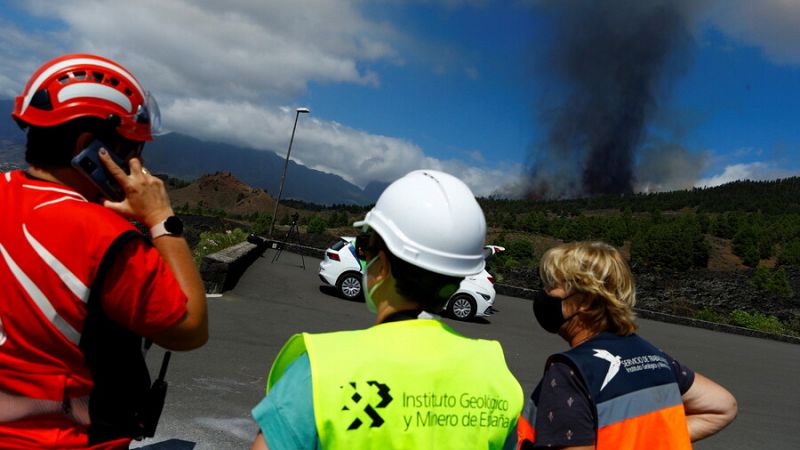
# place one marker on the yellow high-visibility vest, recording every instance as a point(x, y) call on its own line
point(414, 384)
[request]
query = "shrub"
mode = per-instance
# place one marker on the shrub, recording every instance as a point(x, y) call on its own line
point(760, 278)
point(519, 249)
point(675, 245)
point(776, 283)
point(262, 223)
point(779, 284)
point(212, 242)
point(756, 321)
point(790, 254)
point(317, 225)
point(708, 314)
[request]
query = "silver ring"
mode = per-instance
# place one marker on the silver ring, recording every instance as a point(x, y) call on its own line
point(144, 171)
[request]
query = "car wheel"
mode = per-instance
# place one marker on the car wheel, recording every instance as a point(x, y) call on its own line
point(462, 307)
point(349, 285)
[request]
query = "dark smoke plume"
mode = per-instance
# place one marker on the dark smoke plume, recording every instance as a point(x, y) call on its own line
point(610, 65)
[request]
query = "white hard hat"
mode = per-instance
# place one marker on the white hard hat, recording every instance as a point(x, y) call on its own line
point(431, 219)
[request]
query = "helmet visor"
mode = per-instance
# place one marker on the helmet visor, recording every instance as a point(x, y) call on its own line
point(149, 113)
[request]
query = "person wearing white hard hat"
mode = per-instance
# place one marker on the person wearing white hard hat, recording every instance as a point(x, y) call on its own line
point(410, 381)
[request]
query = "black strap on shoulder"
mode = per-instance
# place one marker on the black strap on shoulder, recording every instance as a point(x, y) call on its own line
point(116, 361)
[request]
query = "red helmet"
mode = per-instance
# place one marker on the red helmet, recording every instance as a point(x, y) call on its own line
point(79, 85)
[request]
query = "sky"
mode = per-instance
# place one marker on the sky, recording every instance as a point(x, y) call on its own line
point(469, 87)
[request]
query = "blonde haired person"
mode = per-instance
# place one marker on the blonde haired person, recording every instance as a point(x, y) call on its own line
point(612, 389)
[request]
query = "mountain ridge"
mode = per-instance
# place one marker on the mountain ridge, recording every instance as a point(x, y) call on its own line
point(186, 157)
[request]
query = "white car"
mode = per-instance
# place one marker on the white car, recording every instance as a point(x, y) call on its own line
point(341, 268)
point(474, 297)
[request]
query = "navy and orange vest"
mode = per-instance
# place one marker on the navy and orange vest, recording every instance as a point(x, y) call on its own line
point(634, 391)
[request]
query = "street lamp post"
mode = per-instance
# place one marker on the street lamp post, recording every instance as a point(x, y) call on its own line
point(285, 166)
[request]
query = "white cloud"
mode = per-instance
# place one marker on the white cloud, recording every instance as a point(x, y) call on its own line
point(771, 25)
point(223, 70)
point(755, 171)
point(229, 49)
point(355, 155)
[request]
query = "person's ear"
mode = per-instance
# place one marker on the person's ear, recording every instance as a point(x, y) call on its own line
point(385, 268)
point(587, 302)
point(83, 141)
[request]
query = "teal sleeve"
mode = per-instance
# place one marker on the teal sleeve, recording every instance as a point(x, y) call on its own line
point(286, 415)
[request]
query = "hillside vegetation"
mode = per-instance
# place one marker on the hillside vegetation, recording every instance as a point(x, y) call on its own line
point(727, 253)
point(760, 222)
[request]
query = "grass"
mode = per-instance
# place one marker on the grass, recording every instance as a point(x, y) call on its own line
point(212, 242)
point(740, 318)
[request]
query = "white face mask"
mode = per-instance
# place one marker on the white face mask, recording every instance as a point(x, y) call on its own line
point(369, 290)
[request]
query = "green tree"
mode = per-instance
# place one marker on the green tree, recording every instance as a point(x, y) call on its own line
point(615, 232)
point(675, 245)
point(776, 283)
point(517, 252)
point(725, 225)
point(779, 284)
point(262, 222)
point(790, 254)
point(745, 245)
point(535, 222)
point(317, 224)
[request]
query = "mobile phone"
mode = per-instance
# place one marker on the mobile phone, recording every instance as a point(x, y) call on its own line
point(88, 163)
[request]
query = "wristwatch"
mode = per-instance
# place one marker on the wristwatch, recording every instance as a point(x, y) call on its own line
point(171, 226)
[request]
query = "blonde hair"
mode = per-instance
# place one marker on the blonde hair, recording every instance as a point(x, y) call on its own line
point(597, 269)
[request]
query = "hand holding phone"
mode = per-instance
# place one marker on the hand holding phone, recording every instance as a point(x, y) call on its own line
point(88, 163)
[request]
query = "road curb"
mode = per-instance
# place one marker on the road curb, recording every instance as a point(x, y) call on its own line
point(520, 292)
point(221, 271)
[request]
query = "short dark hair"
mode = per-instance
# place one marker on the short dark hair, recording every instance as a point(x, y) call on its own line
point(52, 147)
point(430, 289)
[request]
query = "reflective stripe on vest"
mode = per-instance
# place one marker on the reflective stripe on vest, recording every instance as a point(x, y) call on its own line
point(525, 430)
point(409, 384)
point(50, 247)
point(637, 400)
point(73, 283)
point(39, 298)
point(15, 407)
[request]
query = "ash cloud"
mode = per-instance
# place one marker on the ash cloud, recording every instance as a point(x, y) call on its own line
point(609, 68)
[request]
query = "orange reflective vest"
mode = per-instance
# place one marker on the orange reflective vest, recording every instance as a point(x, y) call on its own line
point(636, 398)
point(52, 242)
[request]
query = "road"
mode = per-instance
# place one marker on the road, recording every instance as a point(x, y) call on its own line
point(213, 389)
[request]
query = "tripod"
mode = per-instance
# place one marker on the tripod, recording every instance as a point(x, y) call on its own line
point(292, 233)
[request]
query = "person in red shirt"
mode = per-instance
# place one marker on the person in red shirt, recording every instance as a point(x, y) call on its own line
point(81, 286)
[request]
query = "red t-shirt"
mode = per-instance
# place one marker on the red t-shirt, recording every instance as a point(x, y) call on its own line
point(141, 293)
point(51, 243)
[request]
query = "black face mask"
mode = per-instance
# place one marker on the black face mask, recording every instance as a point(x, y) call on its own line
point(548, 313)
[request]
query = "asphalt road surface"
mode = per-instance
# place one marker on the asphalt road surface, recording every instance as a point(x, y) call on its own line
point(213, 389)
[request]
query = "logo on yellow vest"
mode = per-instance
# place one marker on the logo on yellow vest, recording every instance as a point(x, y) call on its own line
point(369, 410)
